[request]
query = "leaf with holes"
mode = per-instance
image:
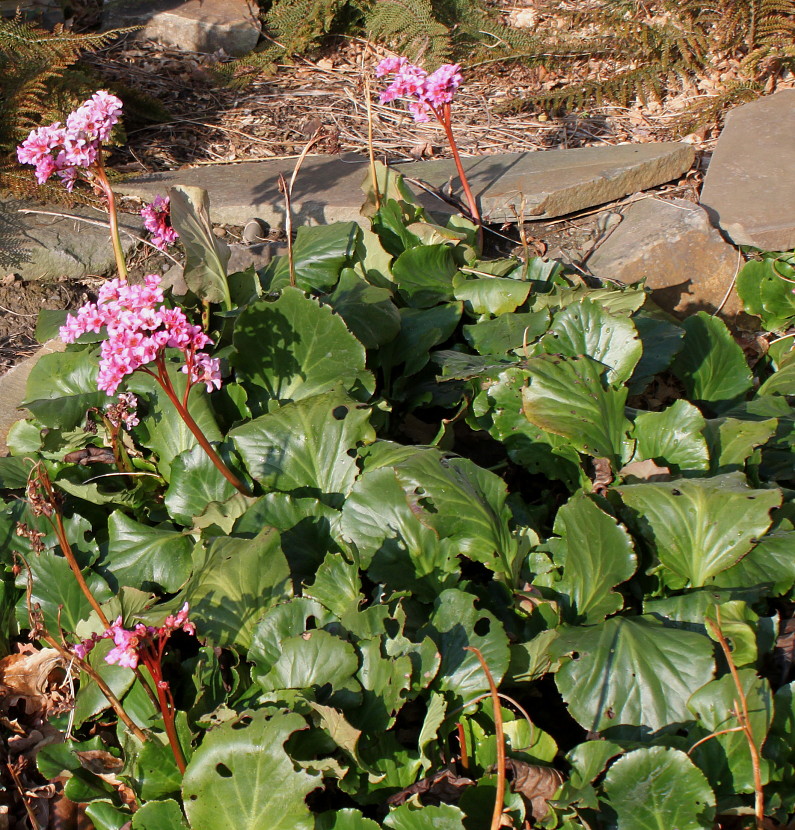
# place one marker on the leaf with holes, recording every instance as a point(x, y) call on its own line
point(241, 777)
point(309, 444)
point(631, 671)
point(699, 527)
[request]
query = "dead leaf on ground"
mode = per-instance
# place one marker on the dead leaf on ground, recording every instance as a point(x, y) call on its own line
point(647, 470)
point(536, 784)
point(443, 787)
point(38, 679)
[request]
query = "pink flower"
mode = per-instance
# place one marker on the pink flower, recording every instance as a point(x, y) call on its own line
point(429, 91)
point(139, 329)
point(66, 150)
point(157, 220)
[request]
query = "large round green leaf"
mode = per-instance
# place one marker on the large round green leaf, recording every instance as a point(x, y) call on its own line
point(159, 815)
point(672, 437)
point(595, 554)
point(424, 275)
point(658, 788)
point(492, 295)
point(195, 483)
point(631, 671)
point(146, 556)
point(234, 584)
point(699, 527)
point(711, 365)
point(306, 444)
point(410, 817)
point(294, 348)
point(368, 311)
point(587, 328)
point(567, 397)
point(62, 386)
point(420, 331)
point(506, 332)
point(241, 777)
point(454, 625)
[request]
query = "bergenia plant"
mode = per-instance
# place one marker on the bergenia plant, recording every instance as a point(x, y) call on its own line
point(146, 644)
point(74, 152)
point(139, 330)
point(428, 95)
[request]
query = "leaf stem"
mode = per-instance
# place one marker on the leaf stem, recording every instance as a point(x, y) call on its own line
point(161, 376)
point(499, 800)
point(741, 714)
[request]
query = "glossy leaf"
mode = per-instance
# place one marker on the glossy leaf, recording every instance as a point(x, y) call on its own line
point(294, 348)
point(195, 483)
point(658, 788)
point(424, 275)
point(672, 437)
point(241, 777)
point(699, 527)
point(631, 671)
point(490, 295)
point(368, 311)
point(508, 332)
point(408, 817)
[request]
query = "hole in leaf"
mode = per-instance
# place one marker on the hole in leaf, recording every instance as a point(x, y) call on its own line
point(242, 723)
point(311, 624)
point(676, 492)
point(575, 655)
point(482, 626)
point(223, 770)
point(339, 412)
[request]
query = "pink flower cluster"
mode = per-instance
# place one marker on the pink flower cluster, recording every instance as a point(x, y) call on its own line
point(139, 329)
point(157, 220)
point(429, 91)
point(140, 643)
point(65, 150)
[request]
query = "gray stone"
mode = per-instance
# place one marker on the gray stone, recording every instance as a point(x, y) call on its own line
point(685, 260)
point(12, 390)
point(748, 189)
point(38, 246)
point(192, 25)
point(507, 186)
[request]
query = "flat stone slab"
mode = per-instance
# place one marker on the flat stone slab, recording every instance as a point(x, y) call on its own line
point(12, 390)
point(672, 244)
point(749, 189)
point(508, 186)
point(192, 25)
point(51, 248)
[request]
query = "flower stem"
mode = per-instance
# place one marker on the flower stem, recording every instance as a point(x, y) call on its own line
point(166, 705)
point(113, 218)
point(444, 119)
point(165, 382)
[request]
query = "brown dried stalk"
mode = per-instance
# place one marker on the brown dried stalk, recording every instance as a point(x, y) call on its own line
point(499, 800)
point(741, 713)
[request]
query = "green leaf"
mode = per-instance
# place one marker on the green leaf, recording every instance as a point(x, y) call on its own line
point(195, 483)
point(420, 331)
point(506, 333)
point(631, 671)
point(345, 819)
point(658, 788)
point(662, 340)
point(493, 295)
point(768, 570)
point(567, 397)
point(731, 441)
point(159, 815)
point(585, 328)
point(393, 544)
point(235, 583)
point(206, 256)
point(782, 382)
point(699, 527)
point(434, 718)
point(384, 682)
point(90, 700)
point(294, 348)
point(454, 624)
point(314, 658)
point(306, 444)
point(424, 275)
point(14, 473)
point(104, 816)
point(144, 556)
point(461, 502)
point(410, 817)
point(241, 777)
point(672, 437)
point(711, 365)
point(765, 287)
point(368, 311)
point(319, 253)
point(725, 759)
point(156, 773)
point(62, 386)
point(163, 431)
point(596, 554)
